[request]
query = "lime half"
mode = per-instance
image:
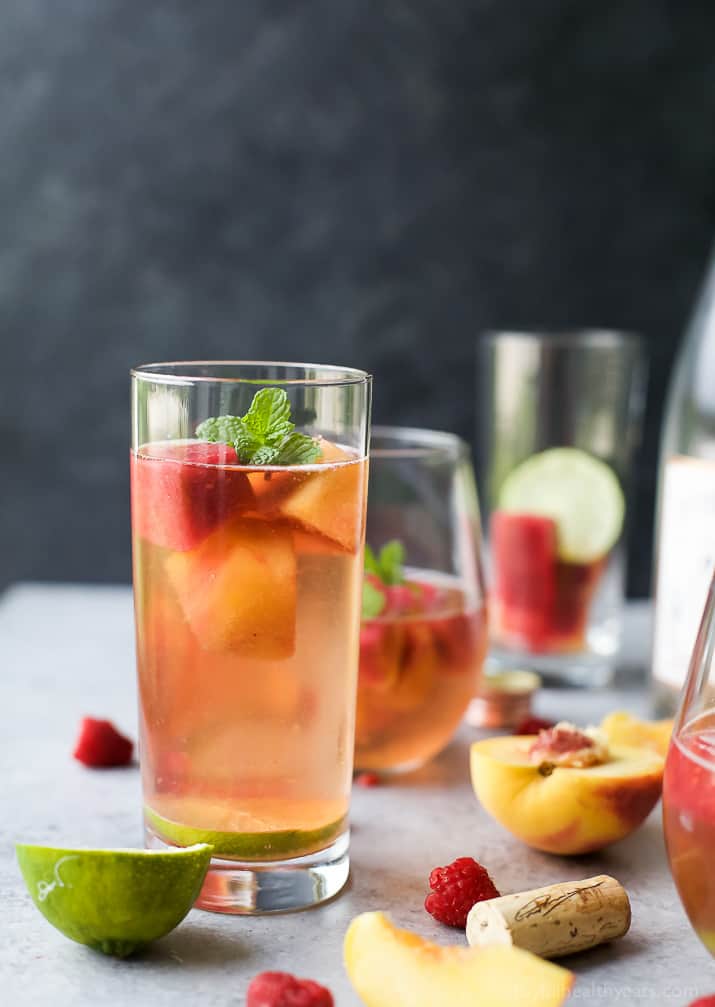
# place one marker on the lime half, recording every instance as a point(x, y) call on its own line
point(578, 492)
point(115, 901)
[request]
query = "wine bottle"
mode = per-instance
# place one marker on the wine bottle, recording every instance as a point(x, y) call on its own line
point(685, 545)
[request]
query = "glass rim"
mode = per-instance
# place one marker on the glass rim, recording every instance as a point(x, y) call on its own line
point(335, 375)
point(419, 442)
point(592, 337)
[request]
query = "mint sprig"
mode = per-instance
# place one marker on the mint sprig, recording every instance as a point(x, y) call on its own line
point(388, 564)
point(388, 567)
point(265, 435)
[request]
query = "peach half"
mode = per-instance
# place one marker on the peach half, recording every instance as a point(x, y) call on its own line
point(395, 968)
point(561, 809)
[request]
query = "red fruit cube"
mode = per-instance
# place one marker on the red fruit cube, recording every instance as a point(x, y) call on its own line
point(180, 492)
point(404, 599)
point(100, 745)
point(524, 559)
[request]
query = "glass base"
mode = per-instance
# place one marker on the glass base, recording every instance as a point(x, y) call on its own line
point(277, 887)
point(580, 670)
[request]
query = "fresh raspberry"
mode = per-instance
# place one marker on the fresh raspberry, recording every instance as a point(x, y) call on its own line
point(367, 780)
point(280, 989)
point(101, 745)
point(532, 725)
point(456, 888)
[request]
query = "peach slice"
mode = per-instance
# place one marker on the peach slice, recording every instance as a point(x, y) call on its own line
point(395, 968)
point(329, 501)
point(238, 589)
point(620, 728)
point(561, 809)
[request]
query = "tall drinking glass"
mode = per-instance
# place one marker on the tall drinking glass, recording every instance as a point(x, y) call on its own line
point(558, 420)
point(689, 785)
point(423, 637)
point(248, 513)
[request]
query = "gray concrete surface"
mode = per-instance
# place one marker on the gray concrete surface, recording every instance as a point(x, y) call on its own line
point(67, 651)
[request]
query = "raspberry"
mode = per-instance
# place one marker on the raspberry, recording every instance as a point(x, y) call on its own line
point(532, 725)
point(101, 745)
point(456, 888)
point(280, 989)
point(367, 780)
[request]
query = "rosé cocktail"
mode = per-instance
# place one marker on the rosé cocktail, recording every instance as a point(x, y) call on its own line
point(247, 573)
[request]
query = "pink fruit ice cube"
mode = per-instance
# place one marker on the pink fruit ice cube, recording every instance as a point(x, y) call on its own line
point(238, 589)
point(524, 563)
point(182, 491)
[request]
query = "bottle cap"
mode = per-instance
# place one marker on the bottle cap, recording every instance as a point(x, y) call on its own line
point(503, 699)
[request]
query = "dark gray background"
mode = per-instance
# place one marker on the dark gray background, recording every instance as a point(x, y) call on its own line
point(368, 182)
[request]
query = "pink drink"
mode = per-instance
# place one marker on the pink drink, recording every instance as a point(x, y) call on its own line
point(419, 665)
point(689, 822)
point(247, 580)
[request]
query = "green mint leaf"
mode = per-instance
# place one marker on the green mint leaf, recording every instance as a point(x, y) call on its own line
point(392, 558)
point(371, 564)
point(265, 455)
point(268, 417)
point(246, 444)
point(373, 600)
point(220, 429)
point(266, 435)
point(297, 449)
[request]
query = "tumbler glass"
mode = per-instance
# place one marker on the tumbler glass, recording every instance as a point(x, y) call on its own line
point(248, 511)
point(558, 420)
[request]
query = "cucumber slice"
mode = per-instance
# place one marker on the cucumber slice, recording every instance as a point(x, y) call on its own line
point(578, 492)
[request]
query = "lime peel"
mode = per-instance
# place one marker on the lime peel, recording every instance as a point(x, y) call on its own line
point(118, 900)
point(283, 844)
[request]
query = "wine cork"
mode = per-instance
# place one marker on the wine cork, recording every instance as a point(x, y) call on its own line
point(556, 920)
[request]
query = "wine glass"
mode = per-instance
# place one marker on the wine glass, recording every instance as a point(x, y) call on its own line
point(423, 636)
point(689, 785)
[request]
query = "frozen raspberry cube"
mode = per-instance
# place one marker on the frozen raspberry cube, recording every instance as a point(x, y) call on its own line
point(181, 492)
point(238, 589)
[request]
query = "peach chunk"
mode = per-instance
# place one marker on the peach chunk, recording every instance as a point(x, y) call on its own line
point(564, 809)
point(620, 728)
point(395, 968)
point(328, 501)
point(238, 589)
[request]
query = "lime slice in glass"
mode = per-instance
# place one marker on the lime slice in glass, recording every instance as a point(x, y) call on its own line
point(578, 492)
point(115, 901)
